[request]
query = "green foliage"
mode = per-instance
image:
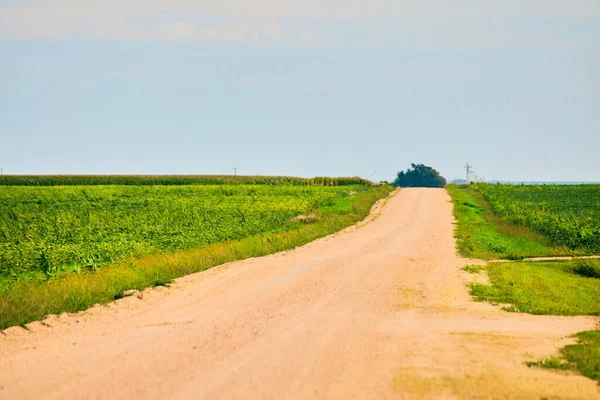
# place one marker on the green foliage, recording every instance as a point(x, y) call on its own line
point(44, 263)
point(584, 356)
point(588, 268)
point(26, 300)
point(481, 234)
point(178, 180)
point(568, 214)
point(419, 175)
point(74, 228)
point(540, 288)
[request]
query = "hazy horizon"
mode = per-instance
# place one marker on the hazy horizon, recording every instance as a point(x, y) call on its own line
point(301, 88)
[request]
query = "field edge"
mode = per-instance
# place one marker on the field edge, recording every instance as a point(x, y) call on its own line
point(480, 234)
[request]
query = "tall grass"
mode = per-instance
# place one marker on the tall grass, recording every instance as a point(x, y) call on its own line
point(27, 300)
point(588, 268)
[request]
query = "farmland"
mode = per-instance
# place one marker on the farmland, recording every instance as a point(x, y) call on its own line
point(64, 248)
point(398, 276)
point(517, 221)
point(482, 234)
point(176, 180)
point(568, 215)
point(71, 228)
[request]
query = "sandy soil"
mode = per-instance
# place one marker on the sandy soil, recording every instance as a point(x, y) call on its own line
point(379, 311)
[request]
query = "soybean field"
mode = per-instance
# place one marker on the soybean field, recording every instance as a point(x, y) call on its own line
point(568, 214)
point(48, 230)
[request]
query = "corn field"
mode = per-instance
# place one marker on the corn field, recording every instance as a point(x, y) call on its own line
point(149, 180)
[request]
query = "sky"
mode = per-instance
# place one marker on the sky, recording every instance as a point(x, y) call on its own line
point(301, 87)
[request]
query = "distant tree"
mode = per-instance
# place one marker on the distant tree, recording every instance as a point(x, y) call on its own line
point(419, 175)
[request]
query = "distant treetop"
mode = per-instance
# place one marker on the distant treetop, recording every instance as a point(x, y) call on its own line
point(419, 175)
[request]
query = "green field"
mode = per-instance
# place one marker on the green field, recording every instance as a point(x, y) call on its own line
point(73, 228)
point(66, 248)
point(567, 214)
point(517, 221)
point(482, 234)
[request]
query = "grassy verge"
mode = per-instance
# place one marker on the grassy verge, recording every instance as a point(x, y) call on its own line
point(481, 234)
point(583, 357)
point(27, 301)
point(554, 288)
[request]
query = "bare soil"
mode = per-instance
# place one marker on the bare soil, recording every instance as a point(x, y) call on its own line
point(377, 311)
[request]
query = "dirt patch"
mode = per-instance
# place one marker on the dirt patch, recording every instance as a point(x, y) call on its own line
point(306, 218)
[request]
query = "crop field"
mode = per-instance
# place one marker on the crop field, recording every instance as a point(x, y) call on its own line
point(76, 228)
point(518, 221)
point(568, 214)
point(149, 180)
point(68, 247)
point(482, 234)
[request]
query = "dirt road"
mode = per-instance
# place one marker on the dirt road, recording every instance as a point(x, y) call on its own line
point(375, 312)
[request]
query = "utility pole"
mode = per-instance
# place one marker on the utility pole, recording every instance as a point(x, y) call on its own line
point(469, 168)
point(234, 171)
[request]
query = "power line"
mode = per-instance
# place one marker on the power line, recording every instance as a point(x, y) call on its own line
point(469, 169)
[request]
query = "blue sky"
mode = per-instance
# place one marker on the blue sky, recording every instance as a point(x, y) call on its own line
point(301, 87)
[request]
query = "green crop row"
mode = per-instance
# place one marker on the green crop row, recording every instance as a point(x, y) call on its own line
point(149, 180)
point(568, 214)
point(46, 231)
